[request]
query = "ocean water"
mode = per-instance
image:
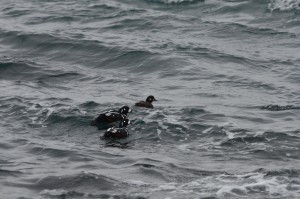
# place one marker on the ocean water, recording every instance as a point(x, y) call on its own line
point(225, 73)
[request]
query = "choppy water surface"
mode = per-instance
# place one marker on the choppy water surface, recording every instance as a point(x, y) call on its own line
point(225, 73)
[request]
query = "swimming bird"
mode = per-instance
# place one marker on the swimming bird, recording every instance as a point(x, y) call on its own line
point(111, 116)
point(117, 132)
point(147, 103)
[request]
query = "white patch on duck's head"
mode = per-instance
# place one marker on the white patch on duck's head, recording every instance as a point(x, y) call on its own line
point(124, 110)
point(107, 114)
point(124, 123)
point(150, 98)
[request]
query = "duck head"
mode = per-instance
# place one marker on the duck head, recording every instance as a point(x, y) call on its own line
point(150, 99)
point(124, 123)
point(124, 110)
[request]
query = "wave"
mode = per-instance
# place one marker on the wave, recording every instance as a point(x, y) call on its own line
point(275, 107)
point(175, 1)
point(58, 77)
point(261, 182)
point(284, 5)
point(38, 114)
point(15, 12)
point(268, 136)
point(5, 173)
point(73, 118)
point(55, 46)
point(51, 152)
point(81, 180)
point(255, 184)
point(225, 6)
point(17, 69)
point(96, 54)
point(292, 173)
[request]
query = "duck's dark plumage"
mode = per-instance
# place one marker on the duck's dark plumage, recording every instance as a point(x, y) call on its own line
point(111, 116)
point(118, 132)
point(147, 103)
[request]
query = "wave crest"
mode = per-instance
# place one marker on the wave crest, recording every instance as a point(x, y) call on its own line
point(284, 5)
point(276, 107)
point(175, 1)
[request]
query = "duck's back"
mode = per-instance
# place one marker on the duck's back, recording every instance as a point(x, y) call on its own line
point(144, 104)
point(108, 117)
point(116, 133)
point(114, 116)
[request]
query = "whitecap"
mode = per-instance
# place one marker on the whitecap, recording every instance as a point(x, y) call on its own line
point(284, 5)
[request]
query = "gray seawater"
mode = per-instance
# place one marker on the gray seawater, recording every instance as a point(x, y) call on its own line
point(226, 74)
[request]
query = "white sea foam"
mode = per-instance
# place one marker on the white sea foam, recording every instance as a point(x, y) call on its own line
point(284, 5)
point(174, 1)
point(184, 147)
point(229, 134)
point(207, 130)
point(53, 192)
point(244, 185)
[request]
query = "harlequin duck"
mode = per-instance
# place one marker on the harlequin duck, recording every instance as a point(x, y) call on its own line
point(147, 103)
point(111, 116)
point(117, 133)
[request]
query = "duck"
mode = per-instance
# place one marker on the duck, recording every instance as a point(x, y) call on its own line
point(111, 116)
point(147, 103)
point(117, 132)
